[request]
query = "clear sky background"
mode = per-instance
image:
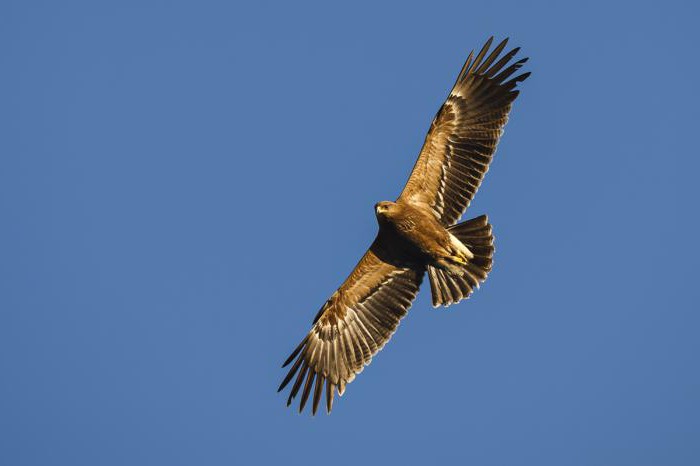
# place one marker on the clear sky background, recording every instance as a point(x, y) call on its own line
point(182, 185)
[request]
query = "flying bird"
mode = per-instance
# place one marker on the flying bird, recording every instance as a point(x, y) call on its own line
point(418, 233)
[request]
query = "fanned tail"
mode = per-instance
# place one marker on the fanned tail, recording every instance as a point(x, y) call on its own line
point(449, 288)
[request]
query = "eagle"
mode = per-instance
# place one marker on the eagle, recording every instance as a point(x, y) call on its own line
point(418, 234)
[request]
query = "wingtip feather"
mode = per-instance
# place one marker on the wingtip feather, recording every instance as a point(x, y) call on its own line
point(295, 352)
point(307, 390)
point(290, 374)
point(330, 393)
point(318, 390)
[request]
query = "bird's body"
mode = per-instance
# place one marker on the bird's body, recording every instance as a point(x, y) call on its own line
point(418, 231)
point(418, 234)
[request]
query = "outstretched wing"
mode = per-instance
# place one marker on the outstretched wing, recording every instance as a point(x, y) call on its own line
point(463, 135)
point(352, 326)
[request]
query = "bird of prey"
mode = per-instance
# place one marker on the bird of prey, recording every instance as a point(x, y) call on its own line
point(418, 233)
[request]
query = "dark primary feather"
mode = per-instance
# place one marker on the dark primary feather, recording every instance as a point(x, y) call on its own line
point(464, 134)
point(481, 54)
point(497, 51)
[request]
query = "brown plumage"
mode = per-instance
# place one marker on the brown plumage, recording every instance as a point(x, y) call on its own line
point(417, 234)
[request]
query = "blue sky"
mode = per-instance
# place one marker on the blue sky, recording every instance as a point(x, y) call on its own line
point(182, 185)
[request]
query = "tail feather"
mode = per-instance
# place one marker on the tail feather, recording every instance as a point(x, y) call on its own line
point(449, 288)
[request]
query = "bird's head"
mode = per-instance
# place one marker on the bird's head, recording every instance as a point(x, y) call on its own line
point(384, 208)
